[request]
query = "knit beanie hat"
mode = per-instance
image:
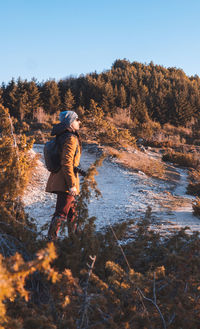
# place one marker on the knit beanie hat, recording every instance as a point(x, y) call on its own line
point(67, 117)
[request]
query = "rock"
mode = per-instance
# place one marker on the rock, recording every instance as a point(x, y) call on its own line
point(142, 148)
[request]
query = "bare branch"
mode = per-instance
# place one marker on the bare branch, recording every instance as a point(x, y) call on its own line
point(158, 309)
point(86, 299)
point(154, 288)
point(120, 247)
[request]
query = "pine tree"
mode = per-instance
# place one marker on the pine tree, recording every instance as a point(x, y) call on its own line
point(50, 97)
point(9, 98)
point(184, 111)
point(69, 101)
point(108, 98)
point(122, 97)
point(33, 99)
point(21, 95)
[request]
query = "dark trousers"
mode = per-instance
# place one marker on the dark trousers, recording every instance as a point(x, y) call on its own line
point(65, 210)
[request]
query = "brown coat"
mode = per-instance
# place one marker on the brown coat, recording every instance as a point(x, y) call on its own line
point(65, 178)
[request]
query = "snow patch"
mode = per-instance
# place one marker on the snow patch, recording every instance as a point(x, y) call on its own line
point(126, 195)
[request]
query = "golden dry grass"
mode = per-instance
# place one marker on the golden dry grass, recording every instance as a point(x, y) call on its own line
point(138, 161)
point(182, 159)
point(121, 118)
point(168, 128)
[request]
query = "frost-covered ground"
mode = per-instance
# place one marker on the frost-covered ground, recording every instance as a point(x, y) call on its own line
point(125, 195)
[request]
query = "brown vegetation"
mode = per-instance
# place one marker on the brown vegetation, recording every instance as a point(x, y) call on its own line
point(182, 159)
point(148, 282)
point(196, 207)
point(138, 161)
point(194, 185)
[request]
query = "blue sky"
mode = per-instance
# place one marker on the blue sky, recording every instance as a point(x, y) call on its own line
point(48, 39)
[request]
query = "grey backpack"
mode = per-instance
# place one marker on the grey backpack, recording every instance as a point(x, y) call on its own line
point(52, 155)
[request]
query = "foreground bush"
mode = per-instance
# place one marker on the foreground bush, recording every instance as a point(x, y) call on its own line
point(148, 282)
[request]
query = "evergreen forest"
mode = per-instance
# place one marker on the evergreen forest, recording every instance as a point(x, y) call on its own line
point(165, 95)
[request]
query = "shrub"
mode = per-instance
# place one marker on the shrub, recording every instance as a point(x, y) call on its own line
point(122, 118)
point(182, 131)
point(41, 126)
point(194, 189)
point(39, 115)
point(196, 142)
point(40, 137)
point(182, 159)
point(104, 130)
point(25, 127)
point(147, 129)
point(158, 143)
point(196, 207)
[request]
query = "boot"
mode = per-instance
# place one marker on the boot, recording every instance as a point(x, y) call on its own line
point(54, 227)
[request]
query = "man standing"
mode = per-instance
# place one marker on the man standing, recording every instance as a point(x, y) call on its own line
point(65, 183)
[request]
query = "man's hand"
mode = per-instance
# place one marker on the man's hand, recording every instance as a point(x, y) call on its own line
point(73, 191)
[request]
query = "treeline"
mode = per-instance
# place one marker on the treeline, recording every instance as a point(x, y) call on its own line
point(166, 95)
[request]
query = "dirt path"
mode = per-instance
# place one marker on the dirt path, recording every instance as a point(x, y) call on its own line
point(126, 194)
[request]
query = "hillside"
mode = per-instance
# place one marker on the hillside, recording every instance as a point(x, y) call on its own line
point(171, 208)
point(133, 273)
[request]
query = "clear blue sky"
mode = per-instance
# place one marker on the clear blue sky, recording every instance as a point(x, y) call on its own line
point(57, 38)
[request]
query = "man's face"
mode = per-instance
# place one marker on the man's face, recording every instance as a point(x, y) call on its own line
point(75, 125)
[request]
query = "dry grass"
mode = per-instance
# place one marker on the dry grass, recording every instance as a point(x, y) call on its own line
point(170, 136)
point(194, 185)
point(194, 175)
point(182, 159)
point(39, 115)
point(182, 131)
point(138, 161)
point(121, 118)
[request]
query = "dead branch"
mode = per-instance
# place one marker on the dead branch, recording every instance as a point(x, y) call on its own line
point(156, 306)
point(86, 299)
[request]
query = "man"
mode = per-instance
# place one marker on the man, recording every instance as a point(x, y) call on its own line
point(65, 183)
